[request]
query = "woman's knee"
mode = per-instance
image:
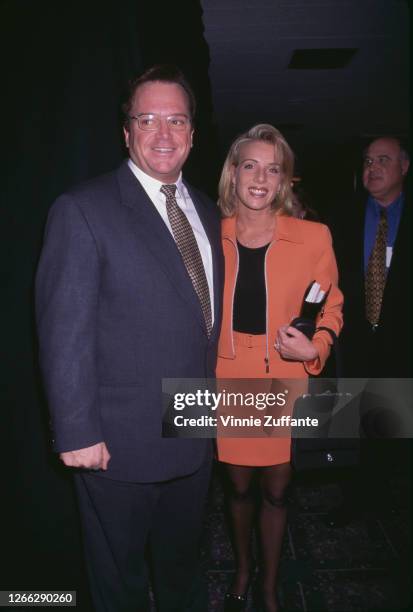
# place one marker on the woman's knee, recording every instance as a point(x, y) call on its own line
point(240, 491)
point(240, 483)
point(275, 493)
point(275, 499)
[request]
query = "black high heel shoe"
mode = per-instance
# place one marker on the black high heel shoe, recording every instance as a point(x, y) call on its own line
point(235, 603)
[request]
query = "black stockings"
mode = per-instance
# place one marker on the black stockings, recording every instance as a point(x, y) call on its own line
point(242, 507)
point(273, 482)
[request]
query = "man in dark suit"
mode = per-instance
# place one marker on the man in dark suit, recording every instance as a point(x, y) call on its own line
point(128, 292)
point(377, 348)
point(372, 241)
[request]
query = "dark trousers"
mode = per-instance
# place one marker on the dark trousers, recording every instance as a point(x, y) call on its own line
point(124, 523)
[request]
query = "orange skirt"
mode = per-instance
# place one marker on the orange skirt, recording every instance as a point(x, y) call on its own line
point(249, 362)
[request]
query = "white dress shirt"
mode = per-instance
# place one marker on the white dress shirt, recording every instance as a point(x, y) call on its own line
point(153, 190)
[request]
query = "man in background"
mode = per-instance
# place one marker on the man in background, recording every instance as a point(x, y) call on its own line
point(376, 337)
point(372, 240)
point(128, 292)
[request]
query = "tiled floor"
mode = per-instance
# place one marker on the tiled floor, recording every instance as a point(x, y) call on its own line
point(360, 567)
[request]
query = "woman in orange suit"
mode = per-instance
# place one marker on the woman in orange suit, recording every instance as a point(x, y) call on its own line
point(270, 260)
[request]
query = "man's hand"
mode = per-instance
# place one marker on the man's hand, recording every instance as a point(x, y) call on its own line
point(293, 344)
point(94, 457)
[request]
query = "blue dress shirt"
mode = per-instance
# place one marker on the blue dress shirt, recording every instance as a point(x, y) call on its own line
point(371, 221)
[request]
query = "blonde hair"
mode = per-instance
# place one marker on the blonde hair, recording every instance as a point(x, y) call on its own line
point(262, 132)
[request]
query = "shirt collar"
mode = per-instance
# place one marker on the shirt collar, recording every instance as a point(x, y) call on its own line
point(390, 208)
point(152, 186)
point(286, 228)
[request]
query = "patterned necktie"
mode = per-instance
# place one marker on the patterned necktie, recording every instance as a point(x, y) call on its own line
point(376, 272)
point(188, 247)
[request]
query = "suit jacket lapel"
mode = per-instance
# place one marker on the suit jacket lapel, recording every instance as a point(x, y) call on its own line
point(399, 271)
point(152, 231)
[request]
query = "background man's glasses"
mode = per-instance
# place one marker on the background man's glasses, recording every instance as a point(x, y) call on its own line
point(150, 122)
point(381, 160)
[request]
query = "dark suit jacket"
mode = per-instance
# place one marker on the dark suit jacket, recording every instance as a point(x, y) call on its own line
point(385, 352)
point(116, 313)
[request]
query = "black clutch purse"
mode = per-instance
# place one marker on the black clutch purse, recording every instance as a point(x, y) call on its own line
point(304, 325)
point(313, 303)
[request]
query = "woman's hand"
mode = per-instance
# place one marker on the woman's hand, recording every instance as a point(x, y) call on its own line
point(293, 344)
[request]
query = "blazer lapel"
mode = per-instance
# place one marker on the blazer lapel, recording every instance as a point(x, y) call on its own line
point(152, 231)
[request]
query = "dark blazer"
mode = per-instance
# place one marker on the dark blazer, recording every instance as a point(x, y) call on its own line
point(116, 312)
point(385, 352)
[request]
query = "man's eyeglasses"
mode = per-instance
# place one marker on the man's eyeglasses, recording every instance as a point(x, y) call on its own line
point(150, 122)
point(382, 160)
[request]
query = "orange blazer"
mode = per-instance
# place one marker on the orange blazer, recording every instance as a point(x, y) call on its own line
point(299, 253)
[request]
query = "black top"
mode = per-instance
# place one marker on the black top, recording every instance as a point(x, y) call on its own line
point(250, 294)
